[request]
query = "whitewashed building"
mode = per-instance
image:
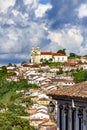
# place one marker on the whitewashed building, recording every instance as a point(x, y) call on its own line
point(39, 115)
point(37, 55)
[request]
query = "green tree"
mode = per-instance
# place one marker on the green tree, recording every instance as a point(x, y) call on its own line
point(18, 127)
point(60, 71)
point(16, 109)
point(63, 51)
point(27, 101)
point(41, 60)
point(72, 54)
point(80, 76)
point(9, 64)
point(9, 121)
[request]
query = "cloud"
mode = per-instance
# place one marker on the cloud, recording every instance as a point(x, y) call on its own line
point(69, 38)
point(32, 3)
point(5, 4)
point(51, 25)
point(40, 11)
point(82, 11)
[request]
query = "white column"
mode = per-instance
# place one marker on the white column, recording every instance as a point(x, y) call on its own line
point(77, 120)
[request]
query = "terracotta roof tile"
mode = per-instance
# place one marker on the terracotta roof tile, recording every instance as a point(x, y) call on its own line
point(53, 54)
point(58, 54)
point(46, 53)
point(78, 90)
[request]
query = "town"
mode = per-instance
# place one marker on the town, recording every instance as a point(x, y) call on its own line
point(55, 90)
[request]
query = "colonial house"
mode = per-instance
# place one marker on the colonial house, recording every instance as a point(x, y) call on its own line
point(37, 55)
point(71, 107)
point(39, 115)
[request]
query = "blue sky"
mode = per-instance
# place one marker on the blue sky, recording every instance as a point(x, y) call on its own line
point(49, 24)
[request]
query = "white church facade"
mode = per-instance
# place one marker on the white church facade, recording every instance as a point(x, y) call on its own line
point(37, 55)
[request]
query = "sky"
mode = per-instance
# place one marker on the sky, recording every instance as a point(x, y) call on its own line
point(48, 24)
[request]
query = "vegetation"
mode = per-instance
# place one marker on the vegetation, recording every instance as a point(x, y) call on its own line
point(9, 88)
point(73, 55)
point(45, 61)
point(50, 62)
point(80, 76)
point(8, 96)
point(62, 51)
point(56, 64)
point(9, 121)
point(60, 71)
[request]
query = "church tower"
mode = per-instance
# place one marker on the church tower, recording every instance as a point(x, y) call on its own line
point(35, 55)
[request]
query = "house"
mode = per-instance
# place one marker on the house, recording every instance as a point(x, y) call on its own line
point(39, 115)
point(48, 125)
point(43, 101)
point(71, 107)
point(84, 59)
point(37, 55)
point(62, 82)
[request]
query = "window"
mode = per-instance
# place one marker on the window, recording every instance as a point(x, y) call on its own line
point(58, 59)
point(62, 58)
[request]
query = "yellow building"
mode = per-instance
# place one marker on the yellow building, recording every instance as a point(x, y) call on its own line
point(43, 101)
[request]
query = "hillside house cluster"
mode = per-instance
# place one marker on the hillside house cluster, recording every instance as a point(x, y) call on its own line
point(60, 87)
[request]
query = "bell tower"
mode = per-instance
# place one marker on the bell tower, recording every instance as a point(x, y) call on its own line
point(35, 55)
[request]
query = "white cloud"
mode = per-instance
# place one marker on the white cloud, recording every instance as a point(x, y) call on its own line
point(69, 38)
point(15, 12)
point(16, 40)
point(22, 56)
point(31, 3)
point(10, 22)
point(82, 11)
point(5, 4)
point(40, 11)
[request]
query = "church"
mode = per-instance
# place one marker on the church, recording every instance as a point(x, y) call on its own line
point(37, 55)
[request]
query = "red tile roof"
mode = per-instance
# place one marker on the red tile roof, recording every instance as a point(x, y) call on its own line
point(76, 91)
point(46, 53)
point(70, 64)
point(58, 54)
point(53, 54)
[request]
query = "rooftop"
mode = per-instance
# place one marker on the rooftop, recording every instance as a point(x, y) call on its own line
point(50, 53)
point(78, 91)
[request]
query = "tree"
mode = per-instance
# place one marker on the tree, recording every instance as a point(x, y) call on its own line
point(18, 127)
point(41, 60)
point(23, 62)
point(50, 60)
point(27, 101)
point(9, 64)
point(3, 71)
point(80, 76)
point(9, 121)
point(60, 71)
point(62, 51)
point(2, 106)
point(72, 55)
